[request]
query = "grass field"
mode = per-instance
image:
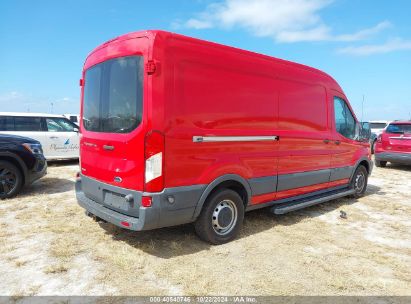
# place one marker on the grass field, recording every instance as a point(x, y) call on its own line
point(49, 247)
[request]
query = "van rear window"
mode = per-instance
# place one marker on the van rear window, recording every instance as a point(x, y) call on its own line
point(113, 95)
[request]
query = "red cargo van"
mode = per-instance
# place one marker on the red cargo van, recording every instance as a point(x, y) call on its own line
point(177, 130)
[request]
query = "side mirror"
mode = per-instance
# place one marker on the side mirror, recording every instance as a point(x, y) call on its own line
point(76, 130)
point(365, 132)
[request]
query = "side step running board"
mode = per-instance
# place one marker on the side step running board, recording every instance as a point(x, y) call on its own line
point(318, 199)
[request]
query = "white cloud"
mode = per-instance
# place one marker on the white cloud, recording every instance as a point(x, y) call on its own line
point(10, 97)
point(363, 34)
point(198, 24)
point(283, 20)
point(389, 46)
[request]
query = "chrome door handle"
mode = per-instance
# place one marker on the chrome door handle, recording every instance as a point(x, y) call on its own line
point(326, 141)
point(89, 144)
point(337, 142)
point(53, 137)
point(108, 147)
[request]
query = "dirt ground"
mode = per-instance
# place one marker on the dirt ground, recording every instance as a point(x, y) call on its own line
point(49, 247)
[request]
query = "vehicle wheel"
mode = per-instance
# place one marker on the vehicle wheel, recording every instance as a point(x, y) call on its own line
point(359, 181)
point(221, 218)
point(380, 163)
point(11, 180)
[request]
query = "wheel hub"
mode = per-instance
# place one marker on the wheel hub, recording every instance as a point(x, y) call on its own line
point(359, 182)
point(224, 217)
point(7, 181)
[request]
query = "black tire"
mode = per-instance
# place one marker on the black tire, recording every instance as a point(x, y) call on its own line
point(380, 163)
point(11, 180)
point(359, 181)
point(221, 217)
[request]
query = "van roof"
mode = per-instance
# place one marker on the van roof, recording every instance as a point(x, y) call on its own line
point(154, 33)
point(29, 114)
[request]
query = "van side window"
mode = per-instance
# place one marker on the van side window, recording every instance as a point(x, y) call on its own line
point(345, 123)
point(27, 124)
point(59, 125)
point(6, 123)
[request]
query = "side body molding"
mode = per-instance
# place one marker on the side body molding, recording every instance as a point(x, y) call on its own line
point(215, 183)
point(370, 166)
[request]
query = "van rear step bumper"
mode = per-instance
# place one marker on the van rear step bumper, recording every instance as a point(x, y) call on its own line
point(94, 209)
point(162, 212)
point(311, 201)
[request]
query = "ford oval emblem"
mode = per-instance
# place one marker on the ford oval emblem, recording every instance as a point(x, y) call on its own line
point(118, 179)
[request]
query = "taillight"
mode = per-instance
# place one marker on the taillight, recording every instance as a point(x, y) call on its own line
point(125, 224)
point(146, 201)
point(154, 162)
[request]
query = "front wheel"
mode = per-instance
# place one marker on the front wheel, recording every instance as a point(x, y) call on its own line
point(359, 181)
point(221, 218)
point(11, 180)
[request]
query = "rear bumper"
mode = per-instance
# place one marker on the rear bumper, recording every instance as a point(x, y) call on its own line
point(162, 213)
point(400, 158)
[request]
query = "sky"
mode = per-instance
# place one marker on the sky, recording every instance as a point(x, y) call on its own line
point(365, 45)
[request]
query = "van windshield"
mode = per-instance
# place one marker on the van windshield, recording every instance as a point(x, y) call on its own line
point(113, 95)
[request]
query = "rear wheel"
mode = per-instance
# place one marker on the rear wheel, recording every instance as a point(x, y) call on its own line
point(380, 163)
point(221, 218)
point(359, 181)
point(11, 180)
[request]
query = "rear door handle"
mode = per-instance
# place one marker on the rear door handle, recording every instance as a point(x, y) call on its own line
point(89, 144)
point(337, 142)
point(108, 147)
point(326, 141)
point(53, 137)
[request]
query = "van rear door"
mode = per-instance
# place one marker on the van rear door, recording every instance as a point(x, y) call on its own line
point(112, 141)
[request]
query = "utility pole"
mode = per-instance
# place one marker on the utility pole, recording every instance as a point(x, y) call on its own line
point(362, 108)
point(52, 108)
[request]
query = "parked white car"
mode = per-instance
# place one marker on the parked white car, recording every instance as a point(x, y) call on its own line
point(58, 136)
point(73, 118)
